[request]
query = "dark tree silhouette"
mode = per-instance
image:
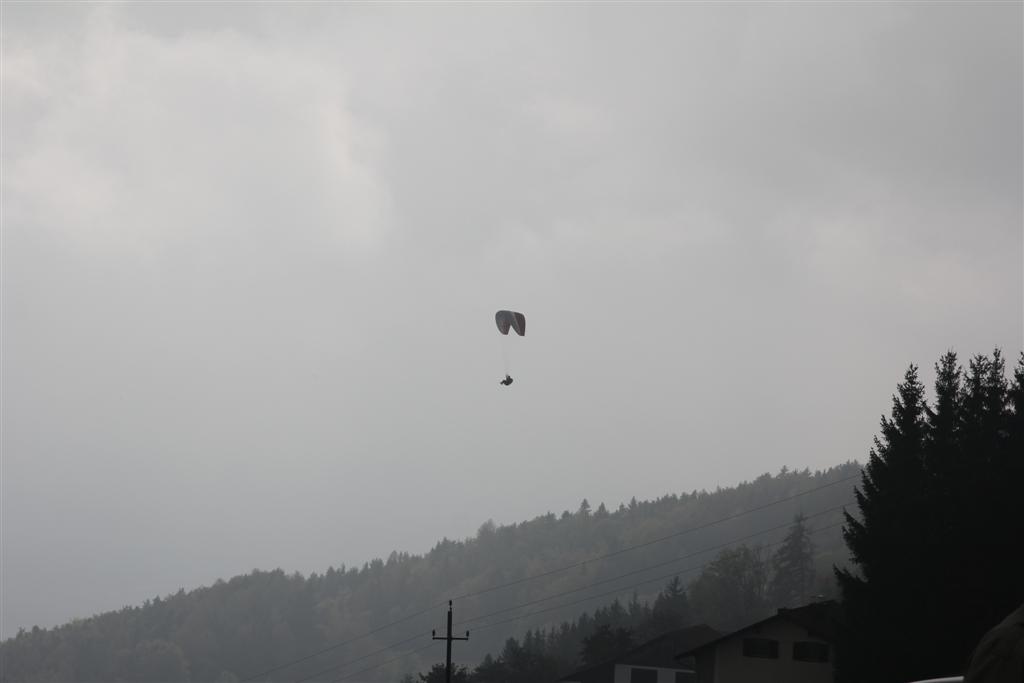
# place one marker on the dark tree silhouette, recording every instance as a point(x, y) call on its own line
point(793, 568)
point(730, 592)
point(671, 609)
point(265, 620)
point(941, 518)
point(460, 674)
point(605, 643)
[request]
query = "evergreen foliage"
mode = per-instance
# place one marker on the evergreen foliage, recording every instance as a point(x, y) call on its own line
point(548, 654)
point(605, 642)
point(262, 620)
point(616, 629)
point(732, 590)
point(937, 543)
point(671, 608)
point(793, 568)
point(460, 674)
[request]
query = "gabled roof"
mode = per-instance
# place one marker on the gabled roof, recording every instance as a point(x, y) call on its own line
point(657, 652)
point(818, 618)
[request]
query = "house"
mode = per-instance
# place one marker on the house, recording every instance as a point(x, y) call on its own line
point(794, 646)
point(653, 662)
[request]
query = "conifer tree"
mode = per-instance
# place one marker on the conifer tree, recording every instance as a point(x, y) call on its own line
point(793, 567)
point(604, 643)
point(1015, 428)
point(671, 608)
point(460, 674)
point(889, 499)
point(988, 503)
point(941, 518)
point(730, 591)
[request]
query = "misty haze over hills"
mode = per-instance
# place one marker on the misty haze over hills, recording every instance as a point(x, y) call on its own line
point(251, 254)
point(265, 619)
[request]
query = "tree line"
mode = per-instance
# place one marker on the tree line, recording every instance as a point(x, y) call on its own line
point(259, 621)
point(933, 536)
point(936, 544)
point(741, 585)
point(935, 541)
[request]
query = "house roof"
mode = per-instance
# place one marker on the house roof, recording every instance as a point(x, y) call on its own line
point(818, 618)
point(657, 652)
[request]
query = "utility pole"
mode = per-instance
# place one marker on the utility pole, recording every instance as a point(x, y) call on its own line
point(448, 637)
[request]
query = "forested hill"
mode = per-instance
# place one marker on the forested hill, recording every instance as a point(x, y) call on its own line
point(524, 576)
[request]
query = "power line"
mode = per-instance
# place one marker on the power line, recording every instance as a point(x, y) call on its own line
point(359, 659)
point(555, 607)
point(388, 661)
point(592, 585)
point(625, 588)
point(652, 542)
point(654, 566)
point(341, 644)
point(547, 573)
point(448, 638)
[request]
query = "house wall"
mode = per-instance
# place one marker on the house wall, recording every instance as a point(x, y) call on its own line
point(623, 673)
point(732, 666)
point(706, 666)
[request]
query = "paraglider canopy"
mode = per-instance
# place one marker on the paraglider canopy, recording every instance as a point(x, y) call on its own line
point(506, 320)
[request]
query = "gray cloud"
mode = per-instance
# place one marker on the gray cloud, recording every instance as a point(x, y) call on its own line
point(251, 255)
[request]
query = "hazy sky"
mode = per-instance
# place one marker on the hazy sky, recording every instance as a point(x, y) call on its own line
point(252, 253)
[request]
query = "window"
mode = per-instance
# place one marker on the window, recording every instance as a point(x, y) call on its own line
point(765, 648)
point(643, 676)
point(809, 651)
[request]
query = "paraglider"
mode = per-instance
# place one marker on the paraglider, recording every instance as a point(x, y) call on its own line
point(509, 320)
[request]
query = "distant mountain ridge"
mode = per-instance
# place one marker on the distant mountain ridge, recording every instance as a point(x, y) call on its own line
point(255, 623)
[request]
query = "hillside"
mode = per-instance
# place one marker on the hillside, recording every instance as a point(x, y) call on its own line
point(527, 575)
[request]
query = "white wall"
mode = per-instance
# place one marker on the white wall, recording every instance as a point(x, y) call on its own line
point(622, 673)
point(732, 667)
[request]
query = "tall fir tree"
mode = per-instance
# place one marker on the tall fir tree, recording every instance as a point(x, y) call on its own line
point(730, 591)
point(941, 518)
point(889, 499)
point(792, 567)
point(671, 609)
point(987, 486)
point(604, 643)
point(460, 674)
point(1015, 422)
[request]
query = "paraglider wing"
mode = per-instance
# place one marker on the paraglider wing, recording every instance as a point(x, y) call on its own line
point(507, 320)
point(503, 319)
point(519, 324)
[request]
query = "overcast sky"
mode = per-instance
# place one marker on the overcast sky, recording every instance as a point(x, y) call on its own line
point(252, 254)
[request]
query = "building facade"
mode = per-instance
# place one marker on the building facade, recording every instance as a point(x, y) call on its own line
point(794, 646)
point(653, 662)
